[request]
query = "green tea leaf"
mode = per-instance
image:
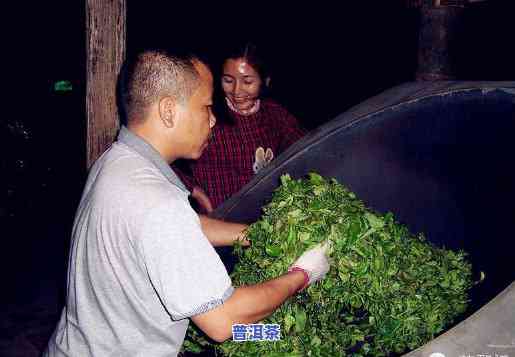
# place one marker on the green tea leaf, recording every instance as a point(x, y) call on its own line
point(273, 250)
point(300, 320)
point(388, 291)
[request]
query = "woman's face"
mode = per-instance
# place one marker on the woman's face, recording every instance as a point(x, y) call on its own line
point(241, 83)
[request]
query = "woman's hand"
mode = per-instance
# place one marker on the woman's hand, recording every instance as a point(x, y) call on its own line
point(203, 200)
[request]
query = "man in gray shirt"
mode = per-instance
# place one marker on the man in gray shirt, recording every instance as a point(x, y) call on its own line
point(142, 262)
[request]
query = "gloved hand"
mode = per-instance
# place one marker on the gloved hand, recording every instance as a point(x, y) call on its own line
point(313, 262)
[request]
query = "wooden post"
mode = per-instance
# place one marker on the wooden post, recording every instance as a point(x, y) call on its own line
point(105, 52)
point(439, 24)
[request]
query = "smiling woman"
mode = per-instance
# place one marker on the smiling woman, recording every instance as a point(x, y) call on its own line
point(242, 80)
point(252, 129)
point(241, 84)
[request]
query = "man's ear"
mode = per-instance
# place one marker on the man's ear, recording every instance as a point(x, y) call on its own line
point(167, 111)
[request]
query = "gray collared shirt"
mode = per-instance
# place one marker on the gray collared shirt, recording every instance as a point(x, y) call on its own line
point(146, 150)
point(140, 264)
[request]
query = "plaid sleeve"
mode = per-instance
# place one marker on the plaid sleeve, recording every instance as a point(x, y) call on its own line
point(290, 130)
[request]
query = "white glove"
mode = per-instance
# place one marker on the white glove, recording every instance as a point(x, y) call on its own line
point(314, 262)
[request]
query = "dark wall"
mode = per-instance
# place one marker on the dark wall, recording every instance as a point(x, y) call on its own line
point(42, 136)
point(316, 52)
point(322, 50)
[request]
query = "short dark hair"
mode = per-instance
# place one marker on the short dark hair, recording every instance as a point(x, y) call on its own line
point(250, 52)
point(151, 76)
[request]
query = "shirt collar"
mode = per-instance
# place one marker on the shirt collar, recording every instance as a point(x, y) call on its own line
point(143, 148)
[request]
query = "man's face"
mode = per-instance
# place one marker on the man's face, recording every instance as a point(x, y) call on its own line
point(241, 83)
point(197, 118)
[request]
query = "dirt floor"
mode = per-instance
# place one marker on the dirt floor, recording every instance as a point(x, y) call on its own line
point(26, 327)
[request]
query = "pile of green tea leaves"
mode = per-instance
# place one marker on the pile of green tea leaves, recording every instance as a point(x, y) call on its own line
point(388, 291)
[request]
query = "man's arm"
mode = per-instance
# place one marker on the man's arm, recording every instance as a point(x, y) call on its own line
point(221, 233)
point(249, 304)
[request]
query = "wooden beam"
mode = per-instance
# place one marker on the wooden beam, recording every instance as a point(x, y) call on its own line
point(437, 38)
point(105, 52)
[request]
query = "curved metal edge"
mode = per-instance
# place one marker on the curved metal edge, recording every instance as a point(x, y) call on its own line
point(390, 99)
point(488, 332)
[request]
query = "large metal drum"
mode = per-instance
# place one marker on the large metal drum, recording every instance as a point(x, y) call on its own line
point(441, 157)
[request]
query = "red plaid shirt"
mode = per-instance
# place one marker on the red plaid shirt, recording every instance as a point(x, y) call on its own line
point(227, 163)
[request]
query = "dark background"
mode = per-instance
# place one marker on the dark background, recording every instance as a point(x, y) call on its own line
point(325, 58)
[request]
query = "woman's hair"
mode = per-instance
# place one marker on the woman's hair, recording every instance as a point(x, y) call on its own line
point(249, 51)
